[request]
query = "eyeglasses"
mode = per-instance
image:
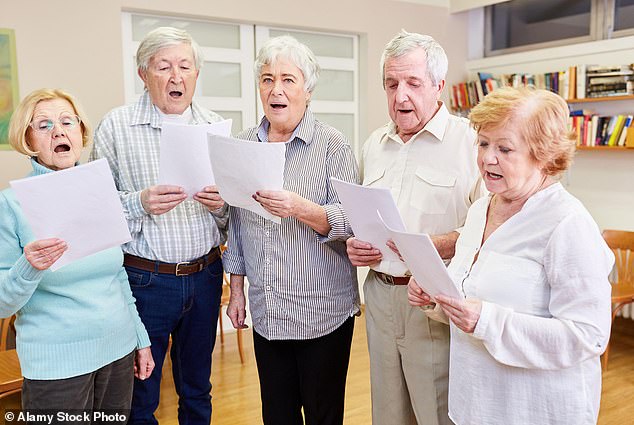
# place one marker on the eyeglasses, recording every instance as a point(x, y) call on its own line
point(46, 125)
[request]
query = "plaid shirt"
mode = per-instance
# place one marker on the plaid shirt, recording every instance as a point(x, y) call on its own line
point(129, 138)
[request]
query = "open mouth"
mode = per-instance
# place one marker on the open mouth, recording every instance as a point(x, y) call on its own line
point(405, 111)
point(493, 176)
point(64, 147)
point(176, 94)
point(278, 105)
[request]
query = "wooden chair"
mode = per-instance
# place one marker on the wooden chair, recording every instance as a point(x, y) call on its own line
point(7, 333)
point(622, 244)
point(224, 301)
point(10, 372)
point(11, 400)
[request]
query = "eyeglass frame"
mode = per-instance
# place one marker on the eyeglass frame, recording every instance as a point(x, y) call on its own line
point(58, 121)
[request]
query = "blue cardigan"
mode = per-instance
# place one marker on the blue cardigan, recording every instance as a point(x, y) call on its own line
point(69, 322)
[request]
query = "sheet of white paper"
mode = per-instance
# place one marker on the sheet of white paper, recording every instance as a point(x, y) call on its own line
point(243, 167)
point(423, 261)
point(361, 204)
point(184, 157)
point(79, 205)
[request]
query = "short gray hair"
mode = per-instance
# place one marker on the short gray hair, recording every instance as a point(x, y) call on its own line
point(288, 47)
point(161, 38)
point(405, 42)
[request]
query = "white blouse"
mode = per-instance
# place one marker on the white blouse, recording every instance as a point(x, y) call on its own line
point(542, 278)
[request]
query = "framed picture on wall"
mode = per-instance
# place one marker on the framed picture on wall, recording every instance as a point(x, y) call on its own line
point(8, 83)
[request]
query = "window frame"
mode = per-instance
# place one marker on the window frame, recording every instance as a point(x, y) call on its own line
point(598, 11)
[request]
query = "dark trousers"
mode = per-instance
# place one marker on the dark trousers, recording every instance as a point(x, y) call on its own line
point(108, 389)
point(309, 374)
point(185, 307)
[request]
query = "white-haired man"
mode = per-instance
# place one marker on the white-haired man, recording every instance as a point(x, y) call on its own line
point(173, 261)
point(426, 157)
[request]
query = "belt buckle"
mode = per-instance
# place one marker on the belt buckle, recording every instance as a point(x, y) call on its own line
point(388, 278)
point(178, 265)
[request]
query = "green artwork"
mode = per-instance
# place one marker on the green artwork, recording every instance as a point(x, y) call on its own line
point(8, 83)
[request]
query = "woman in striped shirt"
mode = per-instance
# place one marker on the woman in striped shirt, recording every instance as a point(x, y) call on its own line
point(303, 290)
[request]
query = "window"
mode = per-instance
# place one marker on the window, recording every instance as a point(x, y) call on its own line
point(521, 25)
point(623, 17)
point(226, 83)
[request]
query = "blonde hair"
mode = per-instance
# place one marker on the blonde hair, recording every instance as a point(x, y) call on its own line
point(541, 118)
point(23, 115)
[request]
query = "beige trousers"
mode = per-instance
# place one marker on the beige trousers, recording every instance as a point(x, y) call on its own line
point(409, 358)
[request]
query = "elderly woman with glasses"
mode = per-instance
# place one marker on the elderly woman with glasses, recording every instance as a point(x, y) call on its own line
point(303, 290)
point(78, 334)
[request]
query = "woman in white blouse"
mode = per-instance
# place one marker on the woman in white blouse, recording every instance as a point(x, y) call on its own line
point(531, 263)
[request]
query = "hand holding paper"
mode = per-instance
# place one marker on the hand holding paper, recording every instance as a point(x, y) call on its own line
point(79, 206)
point(242, 168)
point(360, 203)
point(423, 261)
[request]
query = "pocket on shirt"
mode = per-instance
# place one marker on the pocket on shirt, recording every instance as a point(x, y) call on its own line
point(432, 190)
point(371, 177)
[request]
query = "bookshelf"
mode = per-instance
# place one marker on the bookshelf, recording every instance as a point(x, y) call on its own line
point(601, 122)
point(601, 99)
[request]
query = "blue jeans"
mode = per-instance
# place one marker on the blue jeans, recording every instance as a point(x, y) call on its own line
point(185, 307)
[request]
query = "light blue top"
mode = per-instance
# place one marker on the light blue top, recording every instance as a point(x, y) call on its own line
point(69, 322)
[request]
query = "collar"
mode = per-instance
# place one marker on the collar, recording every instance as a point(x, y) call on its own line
point(304, 131)
point(145, 113)
point(39, 169)
point(436, 126)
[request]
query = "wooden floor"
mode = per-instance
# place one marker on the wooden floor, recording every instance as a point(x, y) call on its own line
point(236, 397)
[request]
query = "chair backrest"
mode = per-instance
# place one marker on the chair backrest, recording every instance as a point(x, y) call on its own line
point(7, 332)
point(622, 243)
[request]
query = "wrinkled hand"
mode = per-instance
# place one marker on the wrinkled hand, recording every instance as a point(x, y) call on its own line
point(416, 296)
point(390, 244)
point(143, 363)
point(362, 253)
point(280, 203)
point(463, 313)
point(236, 310)
point(44, 252)
point(160, 199)
point(210, 198)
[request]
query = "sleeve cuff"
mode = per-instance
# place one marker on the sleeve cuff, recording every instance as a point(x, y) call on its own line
point(485, 317)
point(142, 337)
point(339, 224)
point(233, 264)
point(133, 206)
point(25, 271)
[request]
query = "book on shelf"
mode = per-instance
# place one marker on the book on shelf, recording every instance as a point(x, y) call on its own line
point(574, 83)
point(597, 130)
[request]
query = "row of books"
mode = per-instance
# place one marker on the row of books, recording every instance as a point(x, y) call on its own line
point(576, 82)
point(595, 130)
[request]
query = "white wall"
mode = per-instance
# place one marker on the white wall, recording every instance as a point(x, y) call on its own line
point(602, 180)
point(91, 67)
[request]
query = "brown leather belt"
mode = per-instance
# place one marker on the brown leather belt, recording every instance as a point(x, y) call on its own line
point(178, 269)
point(393, 280)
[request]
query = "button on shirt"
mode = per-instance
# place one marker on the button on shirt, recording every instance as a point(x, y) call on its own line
point(301, 284)
point(433, 177)
point(129, 138)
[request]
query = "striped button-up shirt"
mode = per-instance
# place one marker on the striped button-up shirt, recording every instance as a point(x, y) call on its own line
point(301, 284)
point(129, 138)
